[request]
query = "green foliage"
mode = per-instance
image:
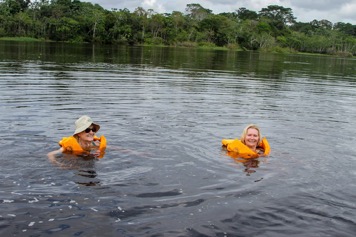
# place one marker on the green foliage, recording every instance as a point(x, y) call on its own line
point(345, 28)
point(272, 29)
point(187, 44)
point(20, 39)
point(279, 50)
point(278, 15)
point(154, 41)
point(233, 46)
point(263, 27)
point(245, 14)
point(206, 45)
point(2, 32)
point(15, 6)
point(197, 12)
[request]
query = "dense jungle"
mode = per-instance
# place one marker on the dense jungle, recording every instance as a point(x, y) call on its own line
point(274, 28)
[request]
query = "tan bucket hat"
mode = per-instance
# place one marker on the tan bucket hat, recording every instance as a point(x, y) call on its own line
point(83, 123)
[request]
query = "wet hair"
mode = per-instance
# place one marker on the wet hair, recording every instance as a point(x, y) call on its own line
point(244, 133)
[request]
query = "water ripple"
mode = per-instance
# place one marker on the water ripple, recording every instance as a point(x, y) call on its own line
point(164, 172)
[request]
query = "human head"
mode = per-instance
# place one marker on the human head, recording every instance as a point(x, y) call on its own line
point(244, 133)
point(83, 123)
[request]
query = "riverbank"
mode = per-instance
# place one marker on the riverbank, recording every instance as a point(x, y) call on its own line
point(232, 47)
point(21, 39)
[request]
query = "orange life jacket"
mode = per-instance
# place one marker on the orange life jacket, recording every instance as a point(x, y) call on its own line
point(238, 149)
point(71, 145)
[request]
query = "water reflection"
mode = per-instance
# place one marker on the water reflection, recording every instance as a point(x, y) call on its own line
point(82, 166)
point(250, 64)
point(250, 165)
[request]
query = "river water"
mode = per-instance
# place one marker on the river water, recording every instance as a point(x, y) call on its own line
point(164, 113)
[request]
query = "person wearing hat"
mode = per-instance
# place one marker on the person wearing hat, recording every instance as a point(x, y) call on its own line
point(83, 141)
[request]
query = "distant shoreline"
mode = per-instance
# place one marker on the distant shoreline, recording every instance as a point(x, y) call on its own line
point(22, 39)
point(274, 50)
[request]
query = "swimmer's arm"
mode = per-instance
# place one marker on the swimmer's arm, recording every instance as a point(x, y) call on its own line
point(261, 152)
point(52, 155)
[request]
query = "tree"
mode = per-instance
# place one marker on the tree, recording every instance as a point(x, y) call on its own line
point(245, 14)
point(219, 30)
point(230, 15)
point(141, 15)
point(156, 24)
point(4, 10)
point(178, 20)
point(323, 24)
point(72, 20)
point(278, 17)
point(122, 28)
point(67, 29)
point(23, 24)
point(197, 12)
point(303, 27)
point(92, 18)
point(345, 28)
point(175, 27)
point(278, 14)
point(15, 6)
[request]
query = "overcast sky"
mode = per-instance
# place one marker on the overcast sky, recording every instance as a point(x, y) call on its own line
point(303, 10)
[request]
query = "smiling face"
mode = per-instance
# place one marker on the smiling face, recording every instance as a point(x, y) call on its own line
point(87, 135)
point(252, 138)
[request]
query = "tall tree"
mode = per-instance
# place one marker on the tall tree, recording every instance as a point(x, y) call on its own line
point(156, 25)
point(346, 28)
point(142, 15)
point(123, 26)
point(16, 6)
point(197, 12)
point(279, 17)
point(245, 14)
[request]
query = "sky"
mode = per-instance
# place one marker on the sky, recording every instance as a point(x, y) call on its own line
point(304, 10)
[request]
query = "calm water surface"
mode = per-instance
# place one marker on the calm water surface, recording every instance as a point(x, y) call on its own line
point(164, 113)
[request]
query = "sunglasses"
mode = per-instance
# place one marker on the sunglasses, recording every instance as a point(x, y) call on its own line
point(90, 129)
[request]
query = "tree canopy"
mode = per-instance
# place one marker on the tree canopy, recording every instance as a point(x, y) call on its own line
point(273, 27)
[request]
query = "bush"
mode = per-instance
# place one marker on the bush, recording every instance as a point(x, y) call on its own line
point(154, 41)
point(233, 46)
point(20, 39)
point(187, 44)
point(77, 39)
point(207, 45)
point(344, 54)
point(278, 49)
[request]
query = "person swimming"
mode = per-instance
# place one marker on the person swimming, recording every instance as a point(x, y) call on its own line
point(83, 142)
point(250, 145)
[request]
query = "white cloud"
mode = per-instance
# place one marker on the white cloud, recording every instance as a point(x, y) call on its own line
point(349, 9)
point(149, 3)
point(303, 10)
point(154, 5)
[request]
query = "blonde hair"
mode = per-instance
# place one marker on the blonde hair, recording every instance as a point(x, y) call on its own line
point(244, 133)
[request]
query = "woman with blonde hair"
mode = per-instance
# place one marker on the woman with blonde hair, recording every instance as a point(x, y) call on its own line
point(250, 145)
point(251, 136)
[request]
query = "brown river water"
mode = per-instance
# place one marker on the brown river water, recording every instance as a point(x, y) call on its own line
point(164, 112)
